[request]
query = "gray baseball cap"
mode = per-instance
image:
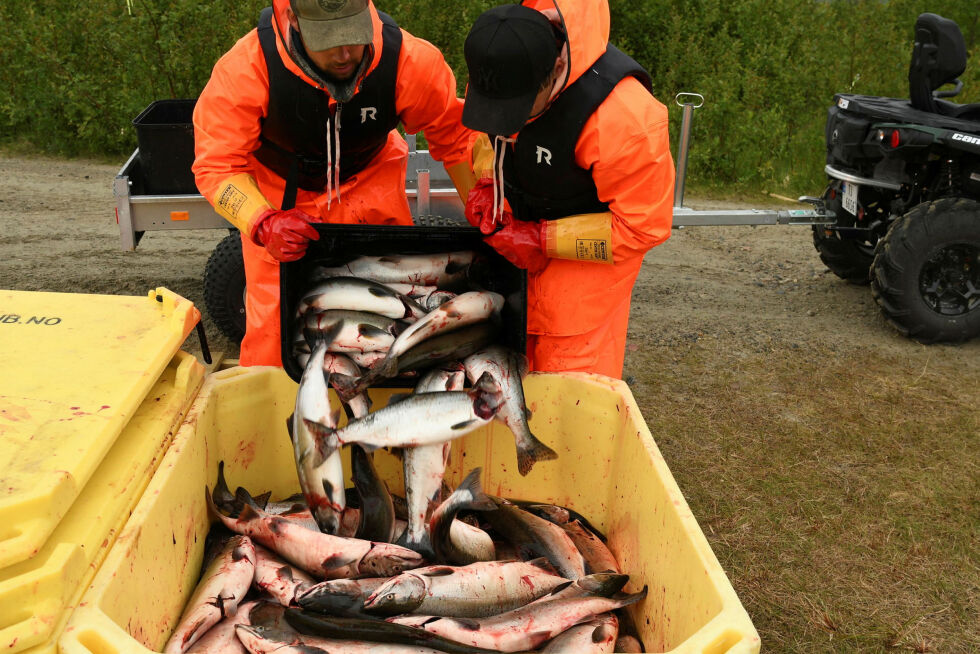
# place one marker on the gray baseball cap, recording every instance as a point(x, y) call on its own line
point(326, 24)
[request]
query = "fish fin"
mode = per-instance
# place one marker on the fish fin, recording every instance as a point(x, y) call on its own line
point(527, 413)
point(323, 434)
point(289, 426)
point(212, 507)
point(466, 623)
point(604, 584)
point(263, 499)
point(315, 336)
point(462, 425)
point(387, 368)
point(245, 498)
point(423, 546)
point(370, 331)
point(249, 512)
point(438, 571)
point(329, 490)
point(534, 452)
point(521, 363)
point(369, 447)
point(347, 386)
point(192, 634)
point(606, 631)
point(545, 565)
point(539, 637)
point(557, 589)
point(413, 308)
point(221, 494)
point(479, 501)
point(382, 291)
point(626, 599)
point(399, 397)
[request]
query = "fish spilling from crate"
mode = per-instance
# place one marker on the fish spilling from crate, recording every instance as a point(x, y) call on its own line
point(358, 569)
point(275, 582)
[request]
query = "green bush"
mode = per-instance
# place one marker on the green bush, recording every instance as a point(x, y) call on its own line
point(74, 75)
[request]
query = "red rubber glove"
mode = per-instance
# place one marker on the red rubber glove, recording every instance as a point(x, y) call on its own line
point(284, 234)
point(479, 208)
point(521, 243)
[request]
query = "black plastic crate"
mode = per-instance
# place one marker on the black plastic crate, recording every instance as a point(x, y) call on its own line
point(165, 134)
point(340, 244)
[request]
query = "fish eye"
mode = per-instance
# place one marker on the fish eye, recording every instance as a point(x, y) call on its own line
point(391, 596)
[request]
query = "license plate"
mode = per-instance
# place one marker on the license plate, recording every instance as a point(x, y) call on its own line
point(850, 197)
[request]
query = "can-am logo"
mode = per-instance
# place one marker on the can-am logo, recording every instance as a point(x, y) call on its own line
point(966, 138)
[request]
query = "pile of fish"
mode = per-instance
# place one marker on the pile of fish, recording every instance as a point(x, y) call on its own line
point(337, 569)
point(276, 583)
point(370, 302)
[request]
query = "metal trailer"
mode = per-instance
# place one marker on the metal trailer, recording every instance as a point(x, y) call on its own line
point(431, 197)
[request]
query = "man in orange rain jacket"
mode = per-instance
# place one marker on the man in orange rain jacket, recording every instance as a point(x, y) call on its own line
point(297, 125)
point(582, 178)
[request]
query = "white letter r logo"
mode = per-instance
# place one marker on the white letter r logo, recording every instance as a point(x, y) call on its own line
point(545, 154)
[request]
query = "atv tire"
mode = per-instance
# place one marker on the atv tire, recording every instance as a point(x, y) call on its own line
point(926, 271)
point(224, 287)
point(847, 258)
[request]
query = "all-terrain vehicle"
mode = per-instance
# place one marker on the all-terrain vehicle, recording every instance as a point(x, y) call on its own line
point(905, 189)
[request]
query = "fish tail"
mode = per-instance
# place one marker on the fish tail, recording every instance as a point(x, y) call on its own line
point(347, 386)
point(633, 598)
point(222, 495)
point(388, 368)
point(422, 545)
point(326, 438)
point(532, 451)
point(328, 336)
point(245, 498)
point(604, 584)
point(479, 501)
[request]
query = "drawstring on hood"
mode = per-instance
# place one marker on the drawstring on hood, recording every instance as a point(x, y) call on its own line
point(333, 155)
point(499, 150)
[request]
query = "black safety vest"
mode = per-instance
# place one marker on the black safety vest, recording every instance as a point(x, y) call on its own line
point(541, 179)
point(295, 131)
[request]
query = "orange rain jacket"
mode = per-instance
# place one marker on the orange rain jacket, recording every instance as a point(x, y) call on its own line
point(227, 125)
point(625, 145)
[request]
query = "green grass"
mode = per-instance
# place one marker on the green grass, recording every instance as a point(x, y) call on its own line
point(840, 495)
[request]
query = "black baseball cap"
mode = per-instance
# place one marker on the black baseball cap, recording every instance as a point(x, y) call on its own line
point(510, 51)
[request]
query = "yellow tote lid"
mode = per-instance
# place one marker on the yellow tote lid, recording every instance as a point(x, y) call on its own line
point(73, 370)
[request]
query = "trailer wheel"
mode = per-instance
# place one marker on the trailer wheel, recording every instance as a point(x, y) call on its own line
point(849, 259)
point(224, 287)
point(926, 272)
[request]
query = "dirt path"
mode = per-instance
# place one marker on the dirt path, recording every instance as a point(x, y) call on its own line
point(746, 356)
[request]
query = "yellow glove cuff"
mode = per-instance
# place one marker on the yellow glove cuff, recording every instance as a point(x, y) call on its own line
point(586, 237)
point(240, 202)
point(482, 157)
point(463, 179)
